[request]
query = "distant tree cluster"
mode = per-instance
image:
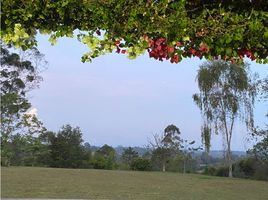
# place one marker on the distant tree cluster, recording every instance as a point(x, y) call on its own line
point(65, 149)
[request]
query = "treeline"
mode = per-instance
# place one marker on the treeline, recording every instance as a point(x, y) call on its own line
point(65, 149)
point(248, 167)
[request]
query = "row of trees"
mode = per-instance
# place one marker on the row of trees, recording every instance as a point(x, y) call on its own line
point(65, 149)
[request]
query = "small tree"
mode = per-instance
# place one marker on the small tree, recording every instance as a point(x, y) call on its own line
point(105, 158)
point(166, 145)
point(187, 151)
point(66, 148)
point(129, 155)
point(227, 92)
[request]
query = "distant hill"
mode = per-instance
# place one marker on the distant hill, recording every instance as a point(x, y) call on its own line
point(141, 150)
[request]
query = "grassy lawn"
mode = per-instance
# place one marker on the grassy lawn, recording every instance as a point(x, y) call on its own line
point(28, 182)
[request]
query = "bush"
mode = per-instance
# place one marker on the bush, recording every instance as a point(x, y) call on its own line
point(210, 171)
point(222, 171)
point(261, 172)
point(141, 164)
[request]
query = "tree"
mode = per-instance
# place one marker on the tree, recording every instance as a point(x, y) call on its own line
point(30, 130)
point(227, 92)
point(104, 158)
point(187, 150)
point(129, 155)
point(170, 30)
point(66, 148)
point(260, 150)
point(19, 75)
point(166, 145)
point(25, 146)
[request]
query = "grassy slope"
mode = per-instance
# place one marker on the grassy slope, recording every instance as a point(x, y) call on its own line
point(27, 182)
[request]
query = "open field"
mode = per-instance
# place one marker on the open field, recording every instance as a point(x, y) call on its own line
point(28, 182)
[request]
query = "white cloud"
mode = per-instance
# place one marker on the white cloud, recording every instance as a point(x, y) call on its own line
point(32, 112)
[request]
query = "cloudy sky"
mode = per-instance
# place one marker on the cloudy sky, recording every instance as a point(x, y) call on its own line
point(119, 101)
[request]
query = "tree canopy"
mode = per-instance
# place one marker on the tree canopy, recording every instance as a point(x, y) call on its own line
point(167, 29)
point(227, 93)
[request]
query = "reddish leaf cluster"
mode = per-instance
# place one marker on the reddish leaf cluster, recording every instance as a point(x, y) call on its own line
point(246, 52)
point(159, 50)
point(118, 49)
point(195, 52)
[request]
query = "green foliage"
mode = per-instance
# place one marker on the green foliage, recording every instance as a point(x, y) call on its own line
point(66, 148)
point(166, 146)
point(104, 158)
point(227, 92)
point(129, 155)
point(19, 74)
point(260, 150)
point(190, 28)
point(24, 148)
point(141, 164)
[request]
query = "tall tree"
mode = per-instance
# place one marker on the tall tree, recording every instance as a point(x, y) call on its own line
point(227, 92)
point(19, 75)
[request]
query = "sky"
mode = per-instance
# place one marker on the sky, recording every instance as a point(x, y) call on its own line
point(118, 101)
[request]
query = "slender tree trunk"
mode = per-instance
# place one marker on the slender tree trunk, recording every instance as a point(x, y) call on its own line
point(229, 157)
point(164, 166)
point(228, 135)
point(184, 166)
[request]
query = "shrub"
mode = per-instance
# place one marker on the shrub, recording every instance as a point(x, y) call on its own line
point(141, 164)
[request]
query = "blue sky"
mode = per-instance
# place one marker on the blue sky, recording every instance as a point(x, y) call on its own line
point(119, 101)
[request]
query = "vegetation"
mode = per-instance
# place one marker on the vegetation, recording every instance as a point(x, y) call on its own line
point(249, 168)
point(19, 75)
point(166, 146)
point(167, 29)
point(227, 92)
point(105, 184)
point(65, 148)
point(129, 155)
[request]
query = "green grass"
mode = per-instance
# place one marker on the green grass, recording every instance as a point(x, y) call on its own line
point(28, 182)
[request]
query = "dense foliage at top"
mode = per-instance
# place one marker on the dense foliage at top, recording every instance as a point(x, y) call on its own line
point(167, 29)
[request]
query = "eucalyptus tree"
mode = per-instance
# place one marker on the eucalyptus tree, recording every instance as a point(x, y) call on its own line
point(19, 74)
point(166, 145)
point(227, 93)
